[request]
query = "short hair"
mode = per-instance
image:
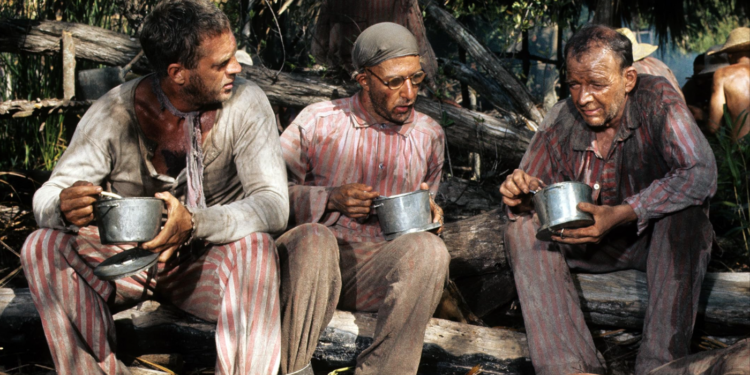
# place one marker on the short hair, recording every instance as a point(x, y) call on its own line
point(600, 36)
point(174, 30)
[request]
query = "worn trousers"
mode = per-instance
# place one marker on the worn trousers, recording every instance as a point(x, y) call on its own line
point(674, 252)
point(402, 280)
point(234, 285)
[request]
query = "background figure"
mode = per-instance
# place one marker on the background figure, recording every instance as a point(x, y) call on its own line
point(732, 85)
point(645, 64)
point(341, 21)
point(697, 90)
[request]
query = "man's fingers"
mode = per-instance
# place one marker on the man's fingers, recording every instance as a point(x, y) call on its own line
point(510, 202)
point(80, 191)
point(424, 186)
point(587, 207)
point(363, 195)
point(166, 254)
point(77, 203)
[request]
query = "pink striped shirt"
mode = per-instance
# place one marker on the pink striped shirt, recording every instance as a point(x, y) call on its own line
point(337, 142)
point(653, 66)
point(659, 163)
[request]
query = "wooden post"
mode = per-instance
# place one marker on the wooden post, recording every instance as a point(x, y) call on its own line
point(69, 65)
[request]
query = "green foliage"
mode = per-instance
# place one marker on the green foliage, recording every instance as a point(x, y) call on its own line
point(730, 205)
point(37, 142)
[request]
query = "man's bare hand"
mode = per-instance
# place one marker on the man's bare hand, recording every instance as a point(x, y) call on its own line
point(76, 202)
point(437, 211)
point(605, 218)
point(516, 190)
point(176, 230)
point(352, 200)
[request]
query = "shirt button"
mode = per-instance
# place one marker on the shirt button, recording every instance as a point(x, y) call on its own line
point(381, 166)
point(596, 186)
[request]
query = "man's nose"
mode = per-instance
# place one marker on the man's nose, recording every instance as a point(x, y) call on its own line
point(409, 90)
point(585, 97)
point(234, 66)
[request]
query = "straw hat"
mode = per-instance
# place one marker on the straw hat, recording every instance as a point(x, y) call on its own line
point(738, 40)
point(640, 50)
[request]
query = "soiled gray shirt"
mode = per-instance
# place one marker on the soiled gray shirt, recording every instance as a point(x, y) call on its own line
point(244, 177)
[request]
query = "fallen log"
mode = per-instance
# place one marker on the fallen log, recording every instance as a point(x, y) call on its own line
point(464, 128)
point(25, 108)
point(449, 347)
point(486, 58)
point(489, 90)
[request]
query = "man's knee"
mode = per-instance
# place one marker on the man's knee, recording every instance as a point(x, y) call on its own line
point(306, 245)
point(43, 244)
point(426, 254)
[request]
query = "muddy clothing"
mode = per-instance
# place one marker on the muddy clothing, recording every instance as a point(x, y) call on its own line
point(341, 21)
point(243, 178)
point(653, 66)
point(233, 283)
point(662, 166)
point(346, 261)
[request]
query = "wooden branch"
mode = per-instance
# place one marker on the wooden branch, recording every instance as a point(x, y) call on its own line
point(490, 91)
point(25, 108)
point(449, 347)
point(92, 43)
point(486, 58)
point(471, 130)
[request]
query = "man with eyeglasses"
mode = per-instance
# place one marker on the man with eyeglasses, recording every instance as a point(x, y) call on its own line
point(340, 155)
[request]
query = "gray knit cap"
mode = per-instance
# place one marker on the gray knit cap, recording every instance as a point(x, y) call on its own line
point(383, 41)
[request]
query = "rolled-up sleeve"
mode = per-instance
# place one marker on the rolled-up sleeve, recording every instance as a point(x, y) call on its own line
point(692, 178)
point(260, 168)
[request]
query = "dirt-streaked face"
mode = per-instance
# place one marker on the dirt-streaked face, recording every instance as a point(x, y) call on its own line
point(212, 79)
point(599, 87)
point(381, 102)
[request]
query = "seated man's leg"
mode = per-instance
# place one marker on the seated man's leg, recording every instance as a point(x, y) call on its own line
point(679, 251)
point(72, 302)
point(237, 286)
point(403, 281)
point(559, 341)
point(310, 288)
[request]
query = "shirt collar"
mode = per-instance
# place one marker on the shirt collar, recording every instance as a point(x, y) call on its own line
point(363, 119)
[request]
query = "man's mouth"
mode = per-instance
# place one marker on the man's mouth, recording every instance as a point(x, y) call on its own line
point(591, 112)
point(403, 108)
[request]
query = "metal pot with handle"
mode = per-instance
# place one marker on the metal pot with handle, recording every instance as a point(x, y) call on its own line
point(557, 208)
point(404, 213)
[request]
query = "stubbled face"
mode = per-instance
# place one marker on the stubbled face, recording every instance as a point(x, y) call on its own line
point(598, 87)
point(212, 79)
point(388, 105)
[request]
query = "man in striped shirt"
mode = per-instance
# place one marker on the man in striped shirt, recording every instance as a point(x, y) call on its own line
point(645, 64)
point(217, 259)
point(633, 140)
point(340, 155)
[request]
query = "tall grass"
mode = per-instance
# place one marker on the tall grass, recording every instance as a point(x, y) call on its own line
point(37, 142)
point(733, 195)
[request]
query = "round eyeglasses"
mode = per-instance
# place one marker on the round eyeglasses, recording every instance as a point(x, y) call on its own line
point(395, 83)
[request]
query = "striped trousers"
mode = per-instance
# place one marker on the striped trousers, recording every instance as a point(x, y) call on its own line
point(674, 252)
point(402, 280)
point(235, 285)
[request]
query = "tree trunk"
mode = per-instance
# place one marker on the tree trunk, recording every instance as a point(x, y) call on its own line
point(449, 347)
point(467, 129)
point(486, 58)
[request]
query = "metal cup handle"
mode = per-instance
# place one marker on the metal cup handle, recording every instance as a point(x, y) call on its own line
point(376, 205)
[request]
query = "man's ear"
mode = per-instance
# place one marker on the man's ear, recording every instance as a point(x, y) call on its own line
point(361, 78)
point(631, 77)
point(176, 73)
